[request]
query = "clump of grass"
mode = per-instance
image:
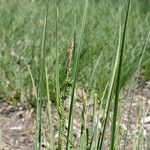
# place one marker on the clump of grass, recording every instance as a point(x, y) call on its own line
point(82, 58)
point(70, 85)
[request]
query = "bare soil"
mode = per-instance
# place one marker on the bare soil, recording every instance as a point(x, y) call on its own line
point(18, 124)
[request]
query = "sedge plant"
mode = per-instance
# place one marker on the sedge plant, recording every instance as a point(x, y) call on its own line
point(75, 69)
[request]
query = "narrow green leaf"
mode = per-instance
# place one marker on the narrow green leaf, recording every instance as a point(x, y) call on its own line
point(118, 79)
point(40, 89)
point(49, 114)
point(76, 63)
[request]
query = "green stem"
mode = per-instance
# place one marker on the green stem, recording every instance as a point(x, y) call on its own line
point(118, 81)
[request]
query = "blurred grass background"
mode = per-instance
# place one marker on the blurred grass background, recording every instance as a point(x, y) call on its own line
point(21, 25)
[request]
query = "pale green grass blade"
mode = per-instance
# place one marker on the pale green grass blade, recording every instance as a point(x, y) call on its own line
point(33, 82)
point(96, 65)
point(134, 145)
point(118, 80)
point(49, 114)
point(37, 105)
point(40, 90)
point(58, 96)
point(57, 61)
point(93, 72)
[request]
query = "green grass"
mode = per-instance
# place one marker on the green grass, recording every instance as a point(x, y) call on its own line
point(34, 60)
point(75, 67)
point(118, 79)
point(41, 82)
point(52, 145)
point(21, 29)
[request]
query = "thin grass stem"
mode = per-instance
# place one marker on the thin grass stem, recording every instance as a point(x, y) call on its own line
point(76, 63)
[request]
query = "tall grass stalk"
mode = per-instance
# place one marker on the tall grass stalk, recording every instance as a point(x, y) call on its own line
point(40, 89)
point(75, 69)
point(93, 72)
point(134, 144)
point(119, 130)
point(71, 110)
point(52, 147)
point(33, 82)
point(59, 101)
point(57, 61)
point(118, 79)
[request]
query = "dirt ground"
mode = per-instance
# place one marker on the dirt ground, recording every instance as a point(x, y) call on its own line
point(17, 123)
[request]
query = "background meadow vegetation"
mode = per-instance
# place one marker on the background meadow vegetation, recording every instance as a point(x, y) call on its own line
point(25, 51)
point(21, 28)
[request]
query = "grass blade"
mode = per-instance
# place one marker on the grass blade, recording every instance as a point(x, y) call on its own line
point(59, 102)
point(76, 63)
point(33, 83)
point(40, 89)
point(57, 61)
point(118, 80)
point(49, 114)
